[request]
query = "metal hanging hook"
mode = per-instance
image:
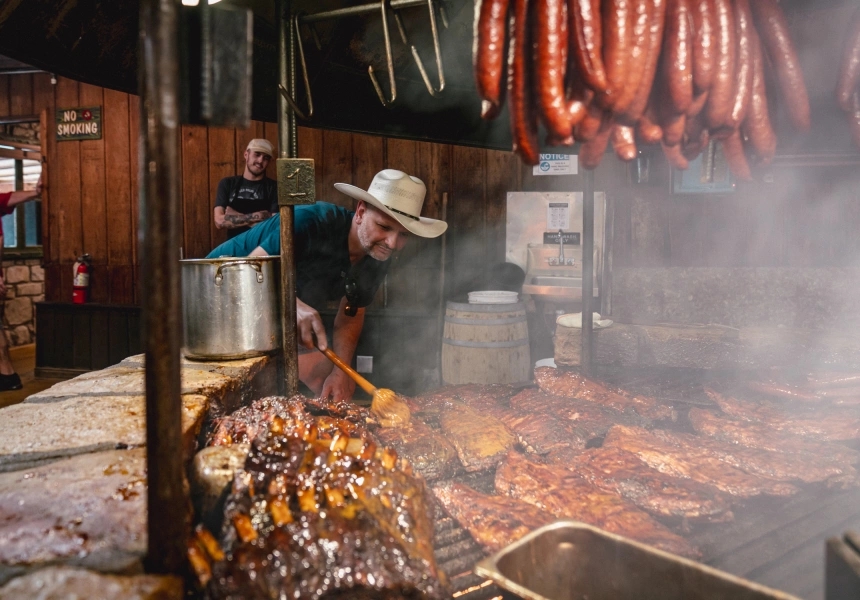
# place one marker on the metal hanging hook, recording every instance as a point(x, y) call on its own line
point(389, 60)
point(305, 78)
point(417, 57)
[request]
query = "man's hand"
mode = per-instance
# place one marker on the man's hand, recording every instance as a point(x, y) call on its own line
point(259, 216)
point(337, 386)
point(308, 324)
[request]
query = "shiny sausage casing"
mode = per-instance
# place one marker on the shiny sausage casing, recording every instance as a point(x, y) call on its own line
point(591, 152)
point(775, 39)
point(743, 71)
point(488, 49)
point(757, 125)
point(523, 115)
point(704, 44)
point(849, 70)
point(642, 10)
point(649, 72)
point(722, 86)
point(618, 23)
point(677, 56)
point(586, 42)
point(624, 142)
point(550, 65)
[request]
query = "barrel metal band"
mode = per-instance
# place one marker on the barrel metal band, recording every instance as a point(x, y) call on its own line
point(509, 321)
point(465, 344)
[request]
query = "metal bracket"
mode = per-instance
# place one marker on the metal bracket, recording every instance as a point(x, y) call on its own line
point(418, 62)
point(296, 183)
point(304, 65)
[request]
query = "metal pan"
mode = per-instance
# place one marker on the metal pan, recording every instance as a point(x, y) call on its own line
point(569, 560)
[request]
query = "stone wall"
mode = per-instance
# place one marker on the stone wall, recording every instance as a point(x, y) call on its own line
point(25, 284)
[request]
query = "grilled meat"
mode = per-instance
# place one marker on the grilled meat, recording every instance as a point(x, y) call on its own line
point(245, 424)
point(570, 384)
point(539, 433)
point(585, 420)
point(789, 391)
point(477, 396)
point(693, 463)
point(825, 424)
point(621, 472)
point(312, 518)
point(493, 521)
point(833, 379)
point(565, 495)
point(480, 439)
point(762, 436)
point(779, 466)
point(430, 454)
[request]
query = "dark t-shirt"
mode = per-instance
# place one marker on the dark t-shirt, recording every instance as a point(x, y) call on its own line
point(321, 252)
point(246, 196)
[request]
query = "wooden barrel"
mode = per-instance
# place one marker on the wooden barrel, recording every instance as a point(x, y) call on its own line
point(485, 343)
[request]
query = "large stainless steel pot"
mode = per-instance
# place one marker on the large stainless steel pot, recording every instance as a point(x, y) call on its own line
point(231, 307)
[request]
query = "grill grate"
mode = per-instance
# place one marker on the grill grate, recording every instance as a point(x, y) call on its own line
point(778, 543)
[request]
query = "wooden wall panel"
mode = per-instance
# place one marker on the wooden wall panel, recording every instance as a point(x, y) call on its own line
point(367, 159)
point(195, 192)
point(222, 163)
point(93, 208)
point(337, 167)
point(120, 233)
point(270, 132)
point(66, 182)
point(134, 175)
point(21, 95)
point(466, 261)
point(4, 95)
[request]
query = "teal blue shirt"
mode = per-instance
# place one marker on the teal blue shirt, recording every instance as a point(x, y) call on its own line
point(320, 240)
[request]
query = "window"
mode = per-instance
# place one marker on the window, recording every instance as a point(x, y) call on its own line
point(22, 230)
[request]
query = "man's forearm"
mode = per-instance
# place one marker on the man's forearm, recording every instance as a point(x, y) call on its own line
point(236, 221)
point(347, 330)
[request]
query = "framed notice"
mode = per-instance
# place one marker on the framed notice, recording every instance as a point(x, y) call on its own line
point(78, 123)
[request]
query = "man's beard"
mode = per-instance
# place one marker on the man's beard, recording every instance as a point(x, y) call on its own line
point(256, 170)
point(379, 252)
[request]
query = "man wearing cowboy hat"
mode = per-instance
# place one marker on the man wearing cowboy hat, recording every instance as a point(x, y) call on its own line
point(341, 255)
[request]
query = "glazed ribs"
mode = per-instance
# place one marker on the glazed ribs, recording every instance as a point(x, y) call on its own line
point(779, 466)
point(480, 439)
point(822, 424)
point(430, 454)
point(313, 518)
point(570, 384)
point(693, 463)
point(621, 472)
point(565, 495)
point(493, 521)
point(756, 435)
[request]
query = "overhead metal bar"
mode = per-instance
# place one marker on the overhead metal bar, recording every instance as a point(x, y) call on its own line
point(167, 525)
point(358, 10)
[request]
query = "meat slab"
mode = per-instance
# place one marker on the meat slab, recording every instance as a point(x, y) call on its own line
point(696, 464)
point(493, 521)
point(556, 490)
point(757, 435)
point(570, 384)
point(480, 439)
point(622, 472)
point(430, 454)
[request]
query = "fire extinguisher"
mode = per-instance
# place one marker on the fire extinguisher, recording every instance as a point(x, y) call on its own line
point(81, 281)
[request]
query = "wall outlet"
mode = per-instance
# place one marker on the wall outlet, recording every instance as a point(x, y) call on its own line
point(364, 364)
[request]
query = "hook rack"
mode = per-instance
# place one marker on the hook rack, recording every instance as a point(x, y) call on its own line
point(383, 6)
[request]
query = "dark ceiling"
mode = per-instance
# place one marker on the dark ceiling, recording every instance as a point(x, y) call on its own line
point(96, 41)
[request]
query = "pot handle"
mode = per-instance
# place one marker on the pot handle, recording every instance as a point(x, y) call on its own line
point(219, 277)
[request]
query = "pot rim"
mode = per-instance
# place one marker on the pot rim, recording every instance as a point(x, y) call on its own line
point(222, 260)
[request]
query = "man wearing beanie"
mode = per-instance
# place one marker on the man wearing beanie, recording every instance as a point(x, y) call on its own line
point(244, 200)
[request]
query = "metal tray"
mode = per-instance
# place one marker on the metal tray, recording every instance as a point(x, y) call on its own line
point(568, 560)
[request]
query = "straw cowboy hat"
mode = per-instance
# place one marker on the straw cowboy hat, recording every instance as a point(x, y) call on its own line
point(400, 196)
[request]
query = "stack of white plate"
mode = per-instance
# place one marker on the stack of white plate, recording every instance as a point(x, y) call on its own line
point(492, 297)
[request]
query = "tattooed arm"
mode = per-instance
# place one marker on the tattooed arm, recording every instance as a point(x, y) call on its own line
point(230, 219)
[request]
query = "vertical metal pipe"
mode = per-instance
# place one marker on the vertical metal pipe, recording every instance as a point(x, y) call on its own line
point(288, 148)
point(162, 322)
point(587, 267)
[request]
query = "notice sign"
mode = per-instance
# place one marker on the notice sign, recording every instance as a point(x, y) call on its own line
point(557, 164)
point(79, 124)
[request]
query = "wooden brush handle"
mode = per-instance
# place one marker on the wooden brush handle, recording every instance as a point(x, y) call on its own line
point(361, 381)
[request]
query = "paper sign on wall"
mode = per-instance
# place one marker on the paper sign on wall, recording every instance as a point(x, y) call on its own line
point(557, 164)
point(558, 216)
